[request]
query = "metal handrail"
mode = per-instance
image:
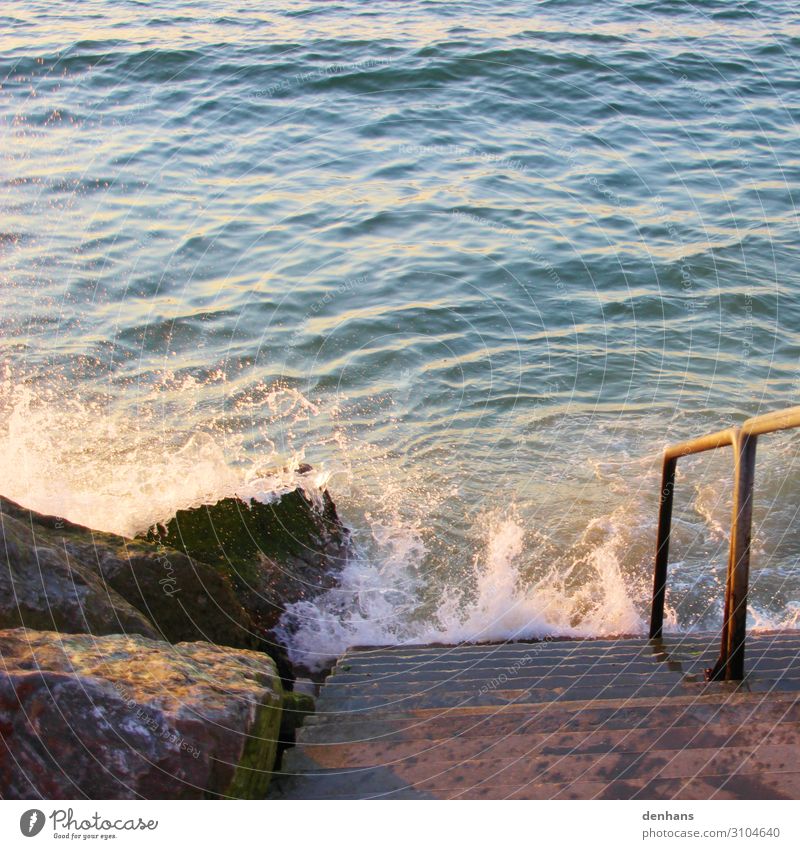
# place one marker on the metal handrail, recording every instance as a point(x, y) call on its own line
point(730, 665)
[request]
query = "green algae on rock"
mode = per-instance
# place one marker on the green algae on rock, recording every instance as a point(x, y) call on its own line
point(131, 586)
point(275, 552)
point(296, 707)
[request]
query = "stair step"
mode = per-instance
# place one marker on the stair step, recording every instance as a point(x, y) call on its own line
point(487, 670)
point(572, 648)
point(352, 671)
point(434, 670)
point(527, 742)
point(566, 716)
point(434, 776)
point(673, 643)
point(459, 689)
point(557, 675)
point(626, 718)
point(745, 786)
point(353, 702)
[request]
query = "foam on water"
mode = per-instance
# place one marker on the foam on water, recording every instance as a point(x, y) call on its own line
point(762, 620)
point(376, 602)
point(72, 457)
point(709, 504)
point(88, 462)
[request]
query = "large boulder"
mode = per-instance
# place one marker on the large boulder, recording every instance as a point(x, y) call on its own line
point(43, 586)
point(222, 573)
point(161, 592)
point(120, 717)
point(276, 551)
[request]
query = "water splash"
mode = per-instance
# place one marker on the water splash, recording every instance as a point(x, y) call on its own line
point(377, 602)
point(100, 466)
point(523, 579)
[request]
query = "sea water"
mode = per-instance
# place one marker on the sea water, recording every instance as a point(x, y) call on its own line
point(476, 263)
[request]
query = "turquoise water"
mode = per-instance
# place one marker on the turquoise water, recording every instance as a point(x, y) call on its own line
point(477, 264)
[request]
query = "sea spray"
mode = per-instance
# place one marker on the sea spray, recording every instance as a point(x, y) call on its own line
point(376, 602)
point(99, 465)
point(434, 562)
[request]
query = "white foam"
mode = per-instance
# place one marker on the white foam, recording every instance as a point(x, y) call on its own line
point(500, 579)
point(377, 600)
point(759, 620)
point(75, 458)
point(711, 504)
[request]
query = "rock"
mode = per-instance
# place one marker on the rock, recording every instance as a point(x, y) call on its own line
point(296, 707)
point(275, 553)
point(185, 599)
point(118, 717)
point(165, 593)
point(222, 573)
point(43, 586)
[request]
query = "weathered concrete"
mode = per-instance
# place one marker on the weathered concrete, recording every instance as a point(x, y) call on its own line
point(565, 719)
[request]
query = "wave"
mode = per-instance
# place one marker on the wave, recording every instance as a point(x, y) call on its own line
point(539, 568)
point(378, 599)
point(121, 471)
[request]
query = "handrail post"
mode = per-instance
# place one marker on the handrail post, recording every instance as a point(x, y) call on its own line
point(739, 571)
point(718, 671)
point(730, 664)
point(662, 545)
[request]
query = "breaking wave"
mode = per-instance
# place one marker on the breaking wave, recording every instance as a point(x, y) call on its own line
point(377, 600)
point(423, 570)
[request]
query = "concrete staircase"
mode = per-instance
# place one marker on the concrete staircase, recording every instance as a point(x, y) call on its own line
point(619, 719)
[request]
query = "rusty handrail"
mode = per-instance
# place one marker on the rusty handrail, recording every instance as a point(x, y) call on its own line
point(730, 664)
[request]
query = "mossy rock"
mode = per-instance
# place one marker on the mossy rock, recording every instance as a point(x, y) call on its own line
point(121, 717)
point(102, 583)
point(234, 535)
point(296, 707)
point(275, 553)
